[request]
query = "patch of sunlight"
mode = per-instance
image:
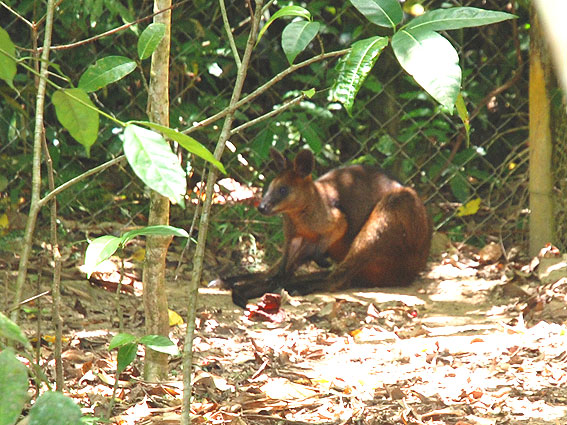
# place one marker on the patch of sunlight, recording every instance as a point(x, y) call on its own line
point(537, 409)
point(467, 291)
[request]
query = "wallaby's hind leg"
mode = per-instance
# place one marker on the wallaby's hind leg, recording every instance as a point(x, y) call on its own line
point(392, 246)
point(368, 260)
point(244, 290)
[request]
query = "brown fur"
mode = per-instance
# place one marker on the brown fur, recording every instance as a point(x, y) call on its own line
point(376, 230)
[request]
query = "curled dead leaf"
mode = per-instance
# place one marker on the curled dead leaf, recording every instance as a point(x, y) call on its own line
point(490, 253)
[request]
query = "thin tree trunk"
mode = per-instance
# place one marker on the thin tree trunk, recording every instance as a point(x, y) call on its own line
point(155, 298)
point(204, 223)
point(541, 178)
point(36, 163)
point(551, 14)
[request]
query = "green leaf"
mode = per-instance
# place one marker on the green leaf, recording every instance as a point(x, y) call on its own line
point(126, 355)
point(11, 330)
point(117, 8)
point(464, 116)
point(460, 187)
point(457, 17)
point(7, 55)
point(432, 61)
point(53, 408)
point(99, 250)
point(386, 145)
point(160, 343)
point(80, 120)
point(384, 13)
point(153, 161)
point(149, 39)
point(154, 230)
point(354, 69)
point(310, 131)
point(105, 71)
point(285, 11)
point(296, 36)
point(185, 141)
point(13, 387)
point(309, 93)
point(121, 339)
point(96, 10)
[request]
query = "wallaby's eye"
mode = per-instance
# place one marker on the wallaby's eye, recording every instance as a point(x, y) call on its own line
point(283, 191)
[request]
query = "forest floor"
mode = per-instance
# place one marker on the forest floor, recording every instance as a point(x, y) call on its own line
point(468, 343)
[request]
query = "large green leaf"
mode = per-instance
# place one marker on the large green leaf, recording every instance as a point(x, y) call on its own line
point(296, 36)
point(185, 141)
point(384, 13)
point(126, 355)
point(105, 71)
point(121, 339)
point(160, 343)
point(12, 331)
point(7, 55)
point(457, 17)
point(74, 114)
point(355, 67)
point(432, 61)
point(153, 161)
point(53, 408)
point(149, 39)
point(460, 187)
point(154, 231)
point(13, 387)
point(310, 131)
point(285, 11)
point(99, 250)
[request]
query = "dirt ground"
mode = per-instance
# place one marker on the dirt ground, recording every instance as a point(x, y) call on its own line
point(468, 343)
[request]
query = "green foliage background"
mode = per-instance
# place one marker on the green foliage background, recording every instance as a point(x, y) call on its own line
point(394, 124)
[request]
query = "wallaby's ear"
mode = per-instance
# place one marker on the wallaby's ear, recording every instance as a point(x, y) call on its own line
point(303, 163)
point(280, 161)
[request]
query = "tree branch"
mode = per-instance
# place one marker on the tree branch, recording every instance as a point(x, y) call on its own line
point(114, 30)
point(270, 114)
point(80, 177)
point(199, 255)
point(36, 162)
point(263, 88)
point(28, 23)
point(229, 35)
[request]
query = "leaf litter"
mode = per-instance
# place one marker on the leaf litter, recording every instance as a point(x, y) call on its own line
point(477, 340)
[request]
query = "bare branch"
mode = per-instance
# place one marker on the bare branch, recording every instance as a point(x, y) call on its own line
point(198, 257)
point(270, 114)
point(263, 88)
point(229, 34)
point(80, 177)
point(114, 30)
point(28, 23)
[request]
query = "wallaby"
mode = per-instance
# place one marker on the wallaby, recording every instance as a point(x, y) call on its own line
point(376, 230)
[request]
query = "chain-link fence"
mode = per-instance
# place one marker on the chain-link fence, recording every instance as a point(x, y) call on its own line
point(559, 171)
point(394, 123)
point(397, 126)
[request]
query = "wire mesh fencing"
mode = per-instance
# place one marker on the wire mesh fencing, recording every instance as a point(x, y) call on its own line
point(559, 171)
point(475, 191)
